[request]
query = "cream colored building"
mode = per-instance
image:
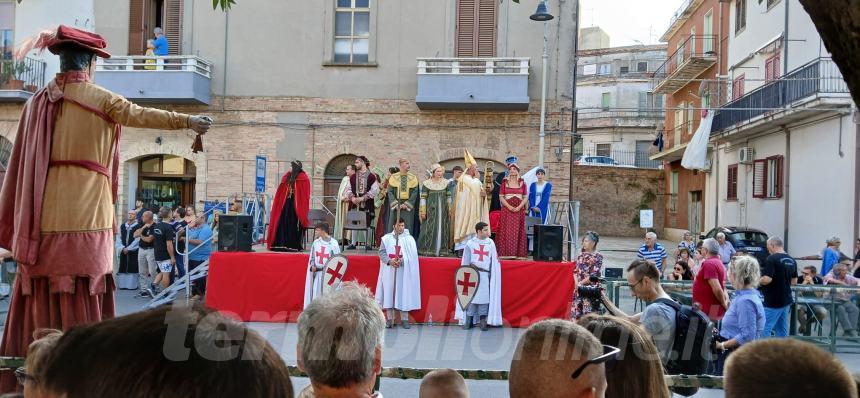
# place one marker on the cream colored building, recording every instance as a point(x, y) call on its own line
point(321, 81)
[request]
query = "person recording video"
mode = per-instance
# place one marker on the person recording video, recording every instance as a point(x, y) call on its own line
point(658, 318)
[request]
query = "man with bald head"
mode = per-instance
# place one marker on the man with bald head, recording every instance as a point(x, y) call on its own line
point(443, 383)
point(556, 358)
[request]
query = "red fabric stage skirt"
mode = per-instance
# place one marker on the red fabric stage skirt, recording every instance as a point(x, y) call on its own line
point(269, 287)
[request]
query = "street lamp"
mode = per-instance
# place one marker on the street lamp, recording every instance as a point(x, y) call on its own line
point(542, 15)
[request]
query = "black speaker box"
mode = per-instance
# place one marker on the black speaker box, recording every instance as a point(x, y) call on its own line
point(234, 233)
point(548, 242)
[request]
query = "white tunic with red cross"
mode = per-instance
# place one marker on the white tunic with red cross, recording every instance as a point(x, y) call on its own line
point(401, 288)
point(482, 254)
point(321, 252)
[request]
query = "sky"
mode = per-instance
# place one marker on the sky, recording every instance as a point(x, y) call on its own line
point(627, 21)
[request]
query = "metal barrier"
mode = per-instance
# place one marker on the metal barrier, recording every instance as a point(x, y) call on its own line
point(811, 299)
point(169, 294)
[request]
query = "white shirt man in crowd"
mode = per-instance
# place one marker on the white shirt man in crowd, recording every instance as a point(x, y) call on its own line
point(323, 248)
point(486, 306)
point(727, 250)
point(658, 318)
point(399, 285)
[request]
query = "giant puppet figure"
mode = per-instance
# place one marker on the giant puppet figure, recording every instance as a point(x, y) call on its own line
point(57, 203)
point(290, 210)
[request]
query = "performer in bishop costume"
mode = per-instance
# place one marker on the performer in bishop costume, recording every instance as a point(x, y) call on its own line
point(323, 248)
point(401, 289)
point(472, 205)
point(66, 156)
point(486, 306)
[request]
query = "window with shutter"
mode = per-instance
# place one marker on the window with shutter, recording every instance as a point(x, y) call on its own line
point(173, 26)
point(486, 39)
point(137, 27)
point(738, 87)
point(476, 28)
point(774, 177)
point(760, 178)
point(732, 183)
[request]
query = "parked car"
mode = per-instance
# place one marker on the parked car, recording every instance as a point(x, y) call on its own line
point(596, 161)
point(745, 240)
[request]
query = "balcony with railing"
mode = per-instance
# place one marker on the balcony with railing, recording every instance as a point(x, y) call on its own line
point(20, 79)
point(177, 79)
point(819, 78)
point(595, 156)
point(692, 57)
point(644, 118)
point(673, 142)
point(473, 83)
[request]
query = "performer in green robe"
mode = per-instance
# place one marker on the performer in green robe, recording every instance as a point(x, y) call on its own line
point(435, 235)
point(402, 196)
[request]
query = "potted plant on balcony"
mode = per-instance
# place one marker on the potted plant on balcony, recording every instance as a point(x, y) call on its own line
point(11, 74)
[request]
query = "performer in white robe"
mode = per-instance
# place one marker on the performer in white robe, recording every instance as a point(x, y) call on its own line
point(399, 284)
point(472, 205)
point(486, 306)
point(342, 206)
point(323, 248)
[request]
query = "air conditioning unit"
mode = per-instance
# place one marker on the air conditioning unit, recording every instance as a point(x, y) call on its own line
point(708, 166)
point(746, 155)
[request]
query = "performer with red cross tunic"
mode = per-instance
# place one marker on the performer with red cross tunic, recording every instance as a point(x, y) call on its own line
point(399, 285)
point(324, 247)
point(486, 306)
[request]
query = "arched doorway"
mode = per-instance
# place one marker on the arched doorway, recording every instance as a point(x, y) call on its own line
point(334, 173)
point(164, 180)
point(5, 155)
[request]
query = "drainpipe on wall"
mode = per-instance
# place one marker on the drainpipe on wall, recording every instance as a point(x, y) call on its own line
point(786, 191)
point(785, 40)
point(856, 175)
point(716, 167)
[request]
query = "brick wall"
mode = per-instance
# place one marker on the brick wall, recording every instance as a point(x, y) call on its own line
point(317, 130)
point(611, 197)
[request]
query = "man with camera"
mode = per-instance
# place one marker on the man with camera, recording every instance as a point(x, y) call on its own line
point(658, 318)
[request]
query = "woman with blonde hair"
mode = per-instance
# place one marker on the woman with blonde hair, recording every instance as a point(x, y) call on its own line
point(434, 237)
point(638, 371)
point(744, 320)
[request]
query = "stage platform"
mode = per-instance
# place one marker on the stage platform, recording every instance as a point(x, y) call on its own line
point(269, 287)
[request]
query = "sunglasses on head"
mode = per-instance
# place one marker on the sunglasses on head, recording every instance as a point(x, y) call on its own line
point(610, 354)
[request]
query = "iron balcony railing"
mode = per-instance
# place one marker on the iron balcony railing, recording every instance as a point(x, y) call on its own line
point(633, 114)
point(639, 158)
point(695, 46)
point(27, 74)
point(820, 76)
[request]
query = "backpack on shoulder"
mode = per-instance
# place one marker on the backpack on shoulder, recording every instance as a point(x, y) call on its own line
point(691, 350)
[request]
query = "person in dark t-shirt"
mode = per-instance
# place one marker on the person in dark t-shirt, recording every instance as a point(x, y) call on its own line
point(778, 274)
point(162, 237)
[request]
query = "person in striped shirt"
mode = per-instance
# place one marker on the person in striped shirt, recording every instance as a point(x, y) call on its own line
point(653, 251)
